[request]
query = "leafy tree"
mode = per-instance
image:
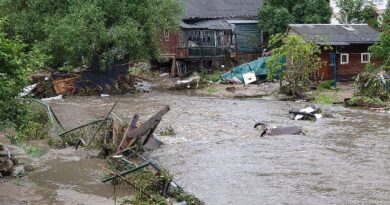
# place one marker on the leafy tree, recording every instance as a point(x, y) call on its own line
point(92, 32)
point(381, 50)
point(275, 15)
point(15, 65)
point(370, 83)
point(357, 11)
point(303, 59)
point(274, 20)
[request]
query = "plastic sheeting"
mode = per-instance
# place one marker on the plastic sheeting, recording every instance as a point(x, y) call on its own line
point(258, 66)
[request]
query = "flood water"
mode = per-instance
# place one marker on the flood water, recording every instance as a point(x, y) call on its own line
point(218, 155)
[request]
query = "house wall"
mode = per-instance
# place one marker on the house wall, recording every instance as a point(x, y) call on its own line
point(344, 71)
point(169, 44)
point(248, 37)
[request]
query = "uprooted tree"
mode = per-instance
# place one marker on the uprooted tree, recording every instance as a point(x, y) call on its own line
point(294, 62)
point(92, 32)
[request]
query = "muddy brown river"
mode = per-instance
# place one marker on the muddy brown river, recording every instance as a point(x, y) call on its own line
point(218, 155)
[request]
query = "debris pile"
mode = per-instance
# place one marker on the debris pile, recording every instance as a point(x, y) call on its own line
point(86, 82)
point(121, 145)
point(309, 113)
point(6, 162)
point(267, 130)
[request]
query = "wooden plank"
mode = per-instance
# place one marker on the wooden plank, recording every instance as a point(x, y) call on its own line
point(133, 135)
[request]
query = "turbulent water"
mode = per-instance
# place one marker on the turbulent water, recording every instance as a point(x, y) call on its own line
point(218, 155)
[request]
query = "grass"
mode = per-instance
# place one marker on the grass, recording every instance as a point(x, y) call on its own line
point(211, 91)
point(33, 151)
point(325, 99)
point(211, 77)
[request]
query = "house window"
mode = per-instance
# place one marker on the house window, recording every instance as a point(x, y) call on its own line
point(378, 1)
point(344, 58)
point(166, 35)
point(366, 57)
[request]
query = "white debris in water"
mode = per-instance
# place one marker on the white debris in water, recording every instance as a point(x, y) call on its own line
point(27, 90)
point(52, 98)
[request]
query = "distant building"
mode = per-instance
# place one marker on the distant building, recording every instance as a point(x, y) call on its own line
point(379, 4)
point(213, 31)
point(349, 43)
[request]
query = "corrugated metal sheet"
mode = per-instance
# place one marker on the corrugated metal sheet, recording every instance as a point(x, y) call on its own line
point(195, 9)
point(248, 38)
point(217, 24)
point(337, 34)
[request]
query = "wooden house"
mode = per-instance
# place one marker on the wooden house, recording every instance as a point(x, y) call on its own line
point(349, 54)
point(213, 31)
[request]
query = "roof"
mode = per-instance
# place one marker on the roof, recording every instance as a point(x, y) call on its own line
point(211, 9)
point(214, 24)
point(336, 34)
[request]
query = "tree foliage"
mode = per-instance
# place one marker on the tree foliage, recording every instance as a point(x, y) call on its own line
point(302, 61)
point(15, 65)
point(91, 32)
point(275, 15)
point(371, 82)
point(381, 50)
point(357, 11)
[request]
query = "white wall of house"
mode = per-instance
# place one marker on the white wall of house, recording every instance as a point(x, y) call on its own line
point(380, 6)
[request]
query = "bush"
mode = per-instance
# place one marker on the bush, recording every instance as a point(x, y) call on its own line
point(326, 85)
point(33, 124)
point(364, 101)
point(369, 84)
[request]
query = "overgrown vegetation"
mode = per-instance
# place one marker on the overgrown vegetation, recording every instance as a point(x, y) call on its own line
point(372, 87)
point(150, 189)
point(15, 66)
point(302, 60)
point(362, 101)
point(93, 32)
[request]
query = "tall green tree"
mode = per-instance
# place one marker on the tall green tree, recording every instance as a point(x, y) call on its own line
point(275, 15)
point(357, 11)
point(381, 50)
point(15, 66)
point(91, 32)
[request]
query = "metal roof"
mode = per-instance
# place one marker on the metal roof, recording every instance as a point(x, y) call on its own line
point(211, 9)
point(337, 34)
point(214, 24)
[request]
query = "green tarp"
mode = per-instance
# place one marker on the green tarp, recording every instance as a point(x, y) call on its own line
point(259, 66)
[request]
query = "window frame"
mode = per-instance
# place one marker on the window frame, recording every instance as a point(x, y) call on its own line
point(341, 58)
point(166, 35)
point(362, 57)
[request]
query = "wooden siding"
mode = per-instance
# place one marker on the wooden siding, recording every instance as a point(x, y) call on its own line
point(344, 71)
point(169, 44)
point(248, 38)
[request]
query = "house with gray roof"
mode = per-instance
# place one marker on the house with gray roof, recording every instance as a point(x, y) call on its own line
point(213, 31)
point(349, 54)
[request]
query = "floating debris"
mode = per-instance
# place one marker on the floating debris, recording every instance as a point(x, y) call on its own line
point(276, 131)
